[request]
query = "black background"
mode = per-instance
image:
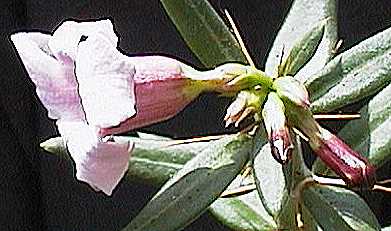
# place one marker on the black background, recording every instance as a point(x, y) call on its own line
point(38, 191)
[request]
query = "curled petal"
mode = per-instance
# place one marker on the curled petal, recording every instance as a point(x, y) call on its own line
point(55, 83)
point(98, 163)
point(106, 85)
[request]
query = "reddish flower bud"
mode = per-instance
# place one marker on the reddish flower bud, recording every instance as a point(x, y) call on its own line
point(277, 130)
point(354, 169)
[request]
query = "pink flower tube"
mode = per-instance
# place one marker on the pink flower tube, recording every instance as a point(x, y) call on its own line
point(354, 169)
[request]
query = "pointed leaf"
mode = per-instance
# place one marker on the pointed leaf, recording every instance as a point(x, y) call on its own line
point(204, 31)
point(302, 51)
point(185, 196)
point(304, 15)
point(270, 181)
point(339, 209)
point(353, 75)
point(244, 212)
point(154, 161)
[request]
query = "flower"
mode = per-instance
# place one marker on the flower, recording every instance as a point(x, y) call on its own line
point(94, 91)
point(86, 84)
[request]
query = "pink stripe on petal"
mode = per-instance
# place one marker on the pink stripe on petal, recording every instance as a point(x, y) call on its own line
point(98, 163)
point(56, 84)
point(161, 89)
point(105, 78)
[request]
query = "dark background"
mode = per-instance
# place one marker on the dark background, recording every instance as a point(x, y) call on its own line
point(38, 191)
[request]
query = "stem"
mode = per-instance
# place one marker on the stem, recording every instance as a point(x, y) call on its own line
point(239, 38)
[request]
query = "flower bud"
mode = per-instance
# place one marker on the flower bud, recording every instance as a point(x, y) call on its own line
point(291, 89)
point(277, 130)
point(354, 169)
point(247, 102)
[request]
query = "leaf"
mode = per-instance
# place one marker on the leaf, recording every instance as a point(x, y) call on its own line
point(355, 74)
point(149, 136)
point(339, 209)
point(302, 17)
point(302, 51)
point(204, 31)
point(270, 181)
point(244, 212)
point(386, 228)
point(371, 134)
point(190, 191)
point(295, 171)
point(154, 162)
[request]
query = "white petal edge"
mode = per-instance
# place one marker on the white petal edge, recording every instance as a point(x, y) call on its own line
point(106, 84)
point(98, 163)
point(55, 83)
point(66, 37)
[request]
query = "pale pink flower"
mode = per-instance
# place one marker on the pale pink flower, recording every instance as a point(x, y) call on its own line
point(86, 84)
point(94, 91)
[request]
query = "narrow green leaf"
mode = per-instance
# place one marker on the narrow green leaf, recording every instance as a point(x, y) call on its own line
point(185, 196)
point(154, 161)
point(243, 212)
point(295, 171)
point(270, 181)
point(302, 51)
point(339, 209)
point(302, 17)
point(356, 73)
point(204, 31)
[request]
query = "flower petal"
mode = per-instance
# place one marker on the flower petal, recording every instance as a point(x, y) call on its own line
point(67, 37)
point(106, 85)
point(56, 84)
point(98, 163)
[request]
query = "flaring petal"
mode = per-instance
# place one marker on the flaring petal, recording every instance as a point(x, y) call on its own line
point(99, 163)
point(68, 35)
point(55, 83)
point(105, 78)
